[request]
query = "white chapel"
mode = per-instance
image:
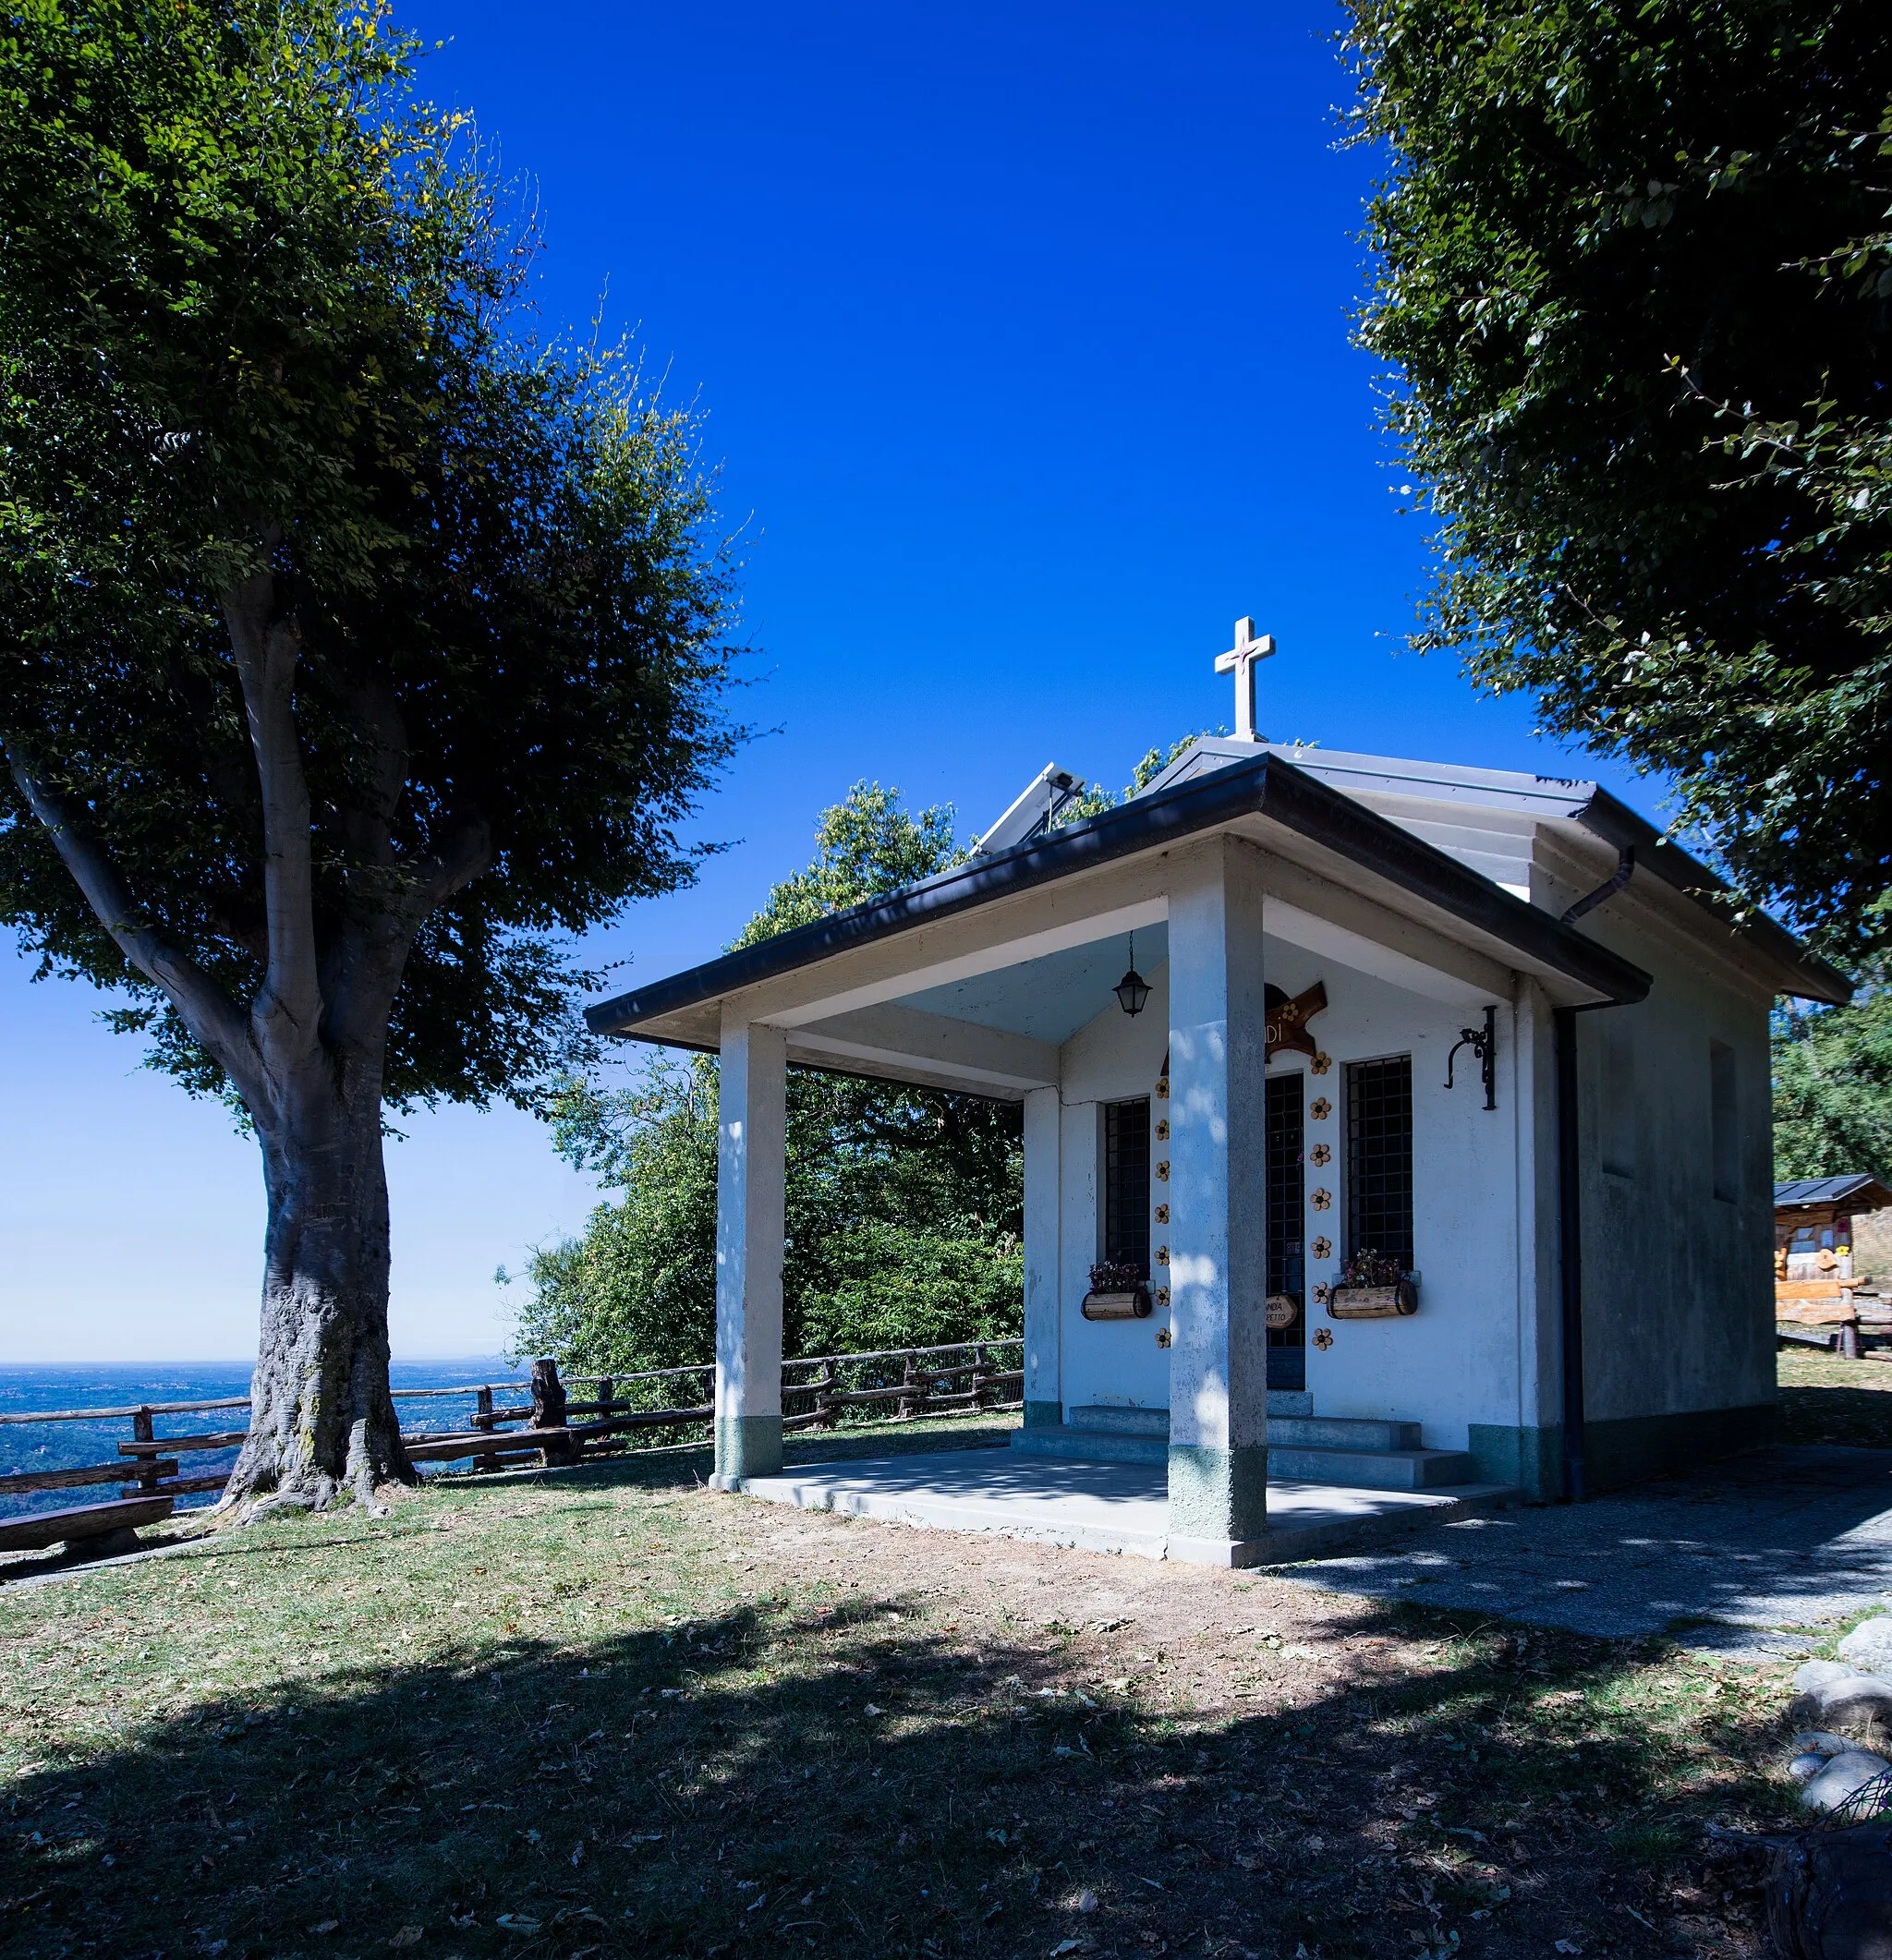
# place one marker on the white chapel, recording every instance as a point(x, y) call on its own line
point(1390, 1123)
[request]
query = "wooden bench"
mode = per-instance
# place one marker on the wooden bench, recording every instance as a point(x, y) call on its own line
point(90, 1520)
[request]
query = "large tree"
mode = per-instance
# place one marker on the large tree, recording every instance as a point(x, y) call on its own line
point(355, 650)
point(1635, 281)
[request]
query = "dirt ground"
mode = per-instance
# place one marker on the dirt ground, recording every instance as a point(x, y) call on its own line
point(604, 1711)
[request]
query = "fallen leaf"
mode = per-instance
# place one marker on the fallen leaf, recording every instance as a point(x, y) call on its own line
point(327, 1925)
point(871, 1710)
point(407, 1936)
point(516, 1922)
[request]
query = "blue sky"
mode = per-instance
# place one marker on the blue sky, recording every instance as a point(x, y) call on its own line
point(1022, 339)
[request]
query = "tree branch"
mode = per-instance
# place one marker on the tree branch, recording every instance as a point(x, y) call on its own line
point(365, 973)
point(462, 852)
point(267, 643)
point(216, 1024)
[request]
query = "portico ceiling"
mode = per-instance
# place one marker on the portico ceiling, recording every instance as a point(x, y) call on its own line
point(1050, 998)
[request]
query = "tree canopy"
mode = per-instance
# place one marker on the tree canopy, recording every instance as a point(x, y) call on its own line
point(1635, 283)
point(1833, 1086)
point(261, 369)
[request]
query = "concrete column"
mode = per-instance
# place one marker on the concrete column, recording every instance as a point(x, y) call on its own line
point(749, 1226)
point(1218, 1259)
point(1044, 1396)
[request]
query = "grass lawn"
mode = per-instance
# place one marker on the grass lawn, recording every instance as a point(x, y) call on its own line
point(1827, 1399)
point(605, 1712)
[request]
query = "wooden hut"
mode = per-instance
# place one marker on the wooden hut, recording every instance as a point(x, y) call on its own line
point(1815, 1289)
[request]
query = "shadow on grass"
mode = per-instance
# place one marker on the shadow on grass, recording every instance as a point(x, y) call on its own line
point(848, 1782)
point(1857, 1418)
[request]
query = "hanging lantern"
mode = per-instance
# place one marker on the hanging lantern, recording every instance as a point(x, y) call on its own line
point(1133, 990)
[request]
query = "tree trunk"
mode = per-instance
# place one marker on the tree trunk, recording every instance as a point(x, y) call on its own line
point(322, 1424)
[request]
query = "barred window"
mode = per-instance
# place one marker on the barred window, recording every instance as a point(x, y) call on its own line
point(1126, 1183)
point(1379, 1157)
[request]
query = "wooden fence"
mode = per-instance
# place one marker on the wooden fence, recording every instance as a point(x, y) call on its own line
point(514, 1422)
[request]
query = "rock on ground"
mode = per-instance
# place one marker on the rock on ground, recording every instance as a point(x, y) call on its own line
point(1840, 1777)
point(1820, 1742)
point(1869, 1646)
point(1851, 1702)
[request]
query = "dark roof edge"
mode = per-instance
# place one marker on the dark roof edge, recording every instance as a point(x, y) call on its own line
point(1613, 820)
point(1267, 787)
point(1810, 1191)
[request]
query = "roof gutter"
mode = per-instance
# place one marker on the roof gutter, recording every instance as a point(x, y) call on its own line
point(1808, 978)
point(1267, 787)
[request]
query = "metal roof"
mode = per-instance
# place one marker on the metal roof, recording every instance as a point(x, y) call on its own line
point(1857, 1186)
point(1566, 799)
point(1263, 784)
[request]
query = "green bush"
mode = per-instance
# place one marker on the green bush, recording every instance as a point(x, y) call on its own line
point(888, 1286)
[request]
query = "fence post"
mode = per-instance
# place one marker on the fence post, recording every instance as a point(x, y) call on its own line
point(549, 1412)
point(981, 1377)
point(826, 1408)
point(913, 1403)
point(147, 1466)
point(482, 1420)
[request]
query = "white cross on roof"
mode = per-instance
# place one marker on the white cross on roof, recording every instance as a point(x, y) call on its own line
point(1241, 661)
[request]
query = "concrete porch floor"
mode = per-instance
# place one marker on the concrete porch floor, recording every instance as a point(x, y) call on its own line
point(1120, 1507)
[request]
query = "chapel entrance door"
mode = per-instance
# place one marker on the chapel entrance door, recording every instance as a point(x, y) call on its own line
point(1286, 1261)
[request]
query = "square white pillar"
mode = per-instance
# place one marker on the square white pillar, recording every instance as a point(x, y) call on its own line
point(750, 1179)
point(1216, 1194)
point(1044, 1394)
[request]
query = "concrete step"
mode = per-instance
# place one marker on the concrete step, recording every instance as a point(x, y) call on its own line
point(1113, 1419)
point(1290, 1404)
point(1369, 1468)
point(1373, 1469)
point(1092, 1445)
point(1339, 1433)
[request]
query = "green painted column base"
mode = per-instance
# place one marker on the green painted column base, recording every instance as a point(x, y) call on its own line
point(1218, 1503)
point(1529, 1459)
point(1044, 1415)
point(746, 1446)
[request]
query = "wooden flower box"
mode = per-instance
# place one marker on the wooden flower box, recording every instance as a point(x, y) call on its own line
point(1373, 1303)
point(1130, 1303)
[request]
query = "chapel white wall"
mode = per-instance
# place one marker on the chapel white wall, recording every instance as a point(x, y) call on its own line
point(1455, 1362)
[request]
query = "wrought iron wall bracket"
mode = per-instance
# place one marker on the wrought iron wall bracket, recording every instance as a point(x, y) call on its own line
point(1483, 1043)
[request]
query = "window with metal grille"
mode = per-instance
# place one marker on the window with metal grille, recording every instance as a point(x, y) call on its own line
point(1379, 1157)
point(1126, 1183)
